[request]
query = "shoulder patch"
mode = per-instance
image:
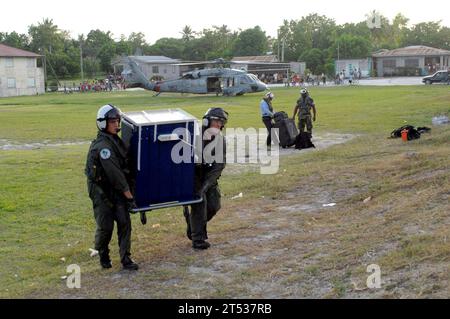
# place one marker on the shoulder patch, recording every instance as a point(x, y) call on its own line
point(105, 153)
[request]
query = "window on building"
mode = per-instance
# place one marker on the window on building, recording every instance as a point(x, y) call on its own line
point(31, 62)
point(11, 83)
point(389, 63)
point(9, 62)
point(31, 82)
point(165, 71)
point(412, 63)
point(155, 69)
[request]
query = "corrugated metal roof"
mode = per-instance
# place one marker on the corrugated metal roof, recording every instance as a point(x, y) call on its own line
point(415, 50)
point(7, 51)
point(154, 59)
point(255, 58)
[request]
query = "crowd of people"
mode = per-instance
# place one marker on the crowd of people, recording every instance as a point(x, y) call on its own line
point(307, 79)
point(112, 82)
point(354, 76)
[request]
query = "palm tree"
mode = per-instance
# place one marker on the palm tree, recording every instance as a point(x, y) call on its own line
point(187, 33)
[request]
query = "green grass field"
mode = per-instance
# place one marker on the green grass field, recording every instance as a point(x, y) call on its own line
point(46, 215)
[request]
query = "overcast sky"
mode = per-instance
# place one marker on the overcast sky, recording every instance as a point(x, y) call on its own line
point(166, 18)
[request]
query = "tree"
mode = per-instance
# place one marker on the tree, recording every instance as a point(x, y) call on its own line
point(315, 60)
point(351, 47)
point(187, 33)
point(60, 51)
point(46, 37)
point(137, 42)
point(428, 33)
point(15, 40)
point(399, 30)
point(312, 31)
point(250, 42)
point(100, 45)
point(124, 47)
point(217, 42)
point(170, 47)
point(91, 66)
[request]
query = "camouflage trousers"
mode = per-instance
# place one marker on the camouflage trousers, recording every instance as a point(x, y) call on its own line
point(305, 120)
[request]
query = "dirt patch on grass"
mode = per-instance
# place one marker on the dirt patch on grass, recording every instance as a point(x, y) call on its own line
point(244, 162)
point(9, 145)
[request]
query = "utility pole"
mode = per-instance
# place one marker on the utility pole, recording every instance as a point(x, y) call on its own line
point(282, 49)
point(278, 38)
point(338, 51)
point(81, 63)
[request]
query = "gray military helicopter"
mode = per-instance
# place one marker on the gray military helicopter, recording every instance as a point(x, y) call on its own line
point(225, 81)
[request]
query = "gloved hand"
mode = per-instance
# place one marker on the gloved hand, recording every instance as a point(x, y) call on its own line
point(131, 204)
point(143, 218)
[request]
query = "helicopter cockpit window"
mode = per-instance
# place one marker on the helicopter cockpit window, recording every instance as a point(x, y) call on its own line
point(245, 80)
point(252, 78)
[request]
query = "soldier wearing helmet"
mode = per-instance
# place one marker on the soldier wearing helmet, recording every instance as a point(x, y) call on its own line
point(304, 105)
point(267, 115)
point(207, 174)
point(109, 187)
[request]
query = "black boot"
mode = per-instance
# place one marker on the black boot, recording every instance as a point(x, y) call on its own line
point(200, 244)
point(205, 233)
point(105, 261)
point(188, 222)
point(129, 264)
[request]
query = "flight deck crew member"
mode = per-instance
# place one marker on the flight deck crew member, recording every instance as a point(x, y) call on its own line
point(267, 115)
point(207, 174)
point(303, 107)
point(109, 187)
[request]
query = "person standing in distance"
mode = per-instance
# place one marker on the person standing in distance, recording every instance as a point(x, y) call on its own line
point(267, 115)
point(304, 105)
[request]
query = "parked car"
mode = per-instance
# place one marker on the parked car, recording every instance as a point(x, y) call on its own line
point(438, 77)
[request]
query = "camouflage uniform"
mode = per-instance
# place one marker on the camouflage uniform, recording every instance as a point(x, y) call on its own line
point(304, 116)
point(107, 179)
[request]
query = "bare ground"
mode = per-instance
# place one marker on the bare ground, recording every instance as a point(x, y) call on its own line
point(292, 246)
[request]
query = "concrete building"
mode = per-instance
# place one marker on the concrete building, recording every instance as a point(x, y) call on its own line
point(266, 67)
point(19, 74)
point(349, 65)
point(154, 67)
point(415, 60)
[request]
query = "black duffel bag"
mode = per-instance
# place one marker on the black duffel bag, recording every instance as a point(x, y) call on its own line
point(279, 116)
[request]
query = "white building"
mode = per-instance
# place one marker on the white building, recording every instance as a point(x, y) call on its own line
point(415, 60)
point(353, 67)
point(266, 67)
point(19, 74)
point(154, 67)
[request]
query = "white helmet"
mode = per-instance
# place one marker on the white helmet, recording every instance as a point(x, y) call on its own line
point(105, 113)
point(269, 95)
point(303, 91)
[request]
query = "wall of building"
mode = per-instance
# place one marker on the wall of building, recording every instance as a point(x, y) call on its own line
point(298, 67)
point(365, 65)
point(20, 76)
point(167, 71)
point(391, 66)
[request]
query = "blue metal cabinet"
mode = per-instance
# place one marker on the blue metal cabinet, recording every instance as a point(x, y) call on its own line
point(161, 181)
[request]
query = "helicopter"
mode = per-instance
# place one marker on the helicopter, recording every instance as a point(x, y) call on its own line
point(219, 80)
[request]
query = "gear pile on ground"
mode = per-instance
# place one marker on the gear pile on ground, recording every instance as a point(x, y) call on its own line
point(413, 133)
